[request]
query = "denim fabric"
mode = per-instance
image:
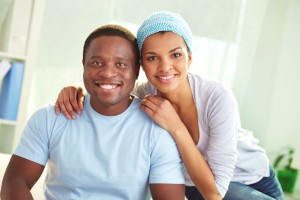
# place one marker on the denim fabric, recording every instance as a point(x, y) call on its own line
point(192, 193)
point(267, 188)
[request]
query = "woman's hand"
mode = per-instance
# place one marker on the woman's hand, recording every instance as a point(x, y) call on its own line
point(162, 112)
point(69, 101)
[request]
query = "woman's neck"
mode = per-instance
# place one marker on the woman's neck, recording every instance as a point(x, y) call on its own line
point(180, 97)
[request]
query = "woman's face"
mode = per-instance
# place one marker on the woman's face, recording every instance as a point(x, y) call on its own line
point(165, 60)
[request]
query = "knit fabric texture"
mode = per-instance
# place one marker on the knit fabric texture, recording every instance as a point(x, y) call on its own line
point(164, 21)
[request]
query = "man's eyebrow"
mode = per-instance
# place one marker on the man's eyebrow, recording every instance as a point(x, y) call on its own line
point(92, 57)
point(122, 58)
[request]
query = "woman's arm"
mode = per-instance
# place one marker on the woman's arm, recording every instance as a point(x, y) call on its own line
point(162, 112)
point(71, 98)
point(69, 101)
point(195, 164)
point(222, 121)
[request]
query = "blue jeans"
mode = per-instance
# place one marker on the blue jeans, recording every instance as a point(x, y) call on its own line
point(267, 188)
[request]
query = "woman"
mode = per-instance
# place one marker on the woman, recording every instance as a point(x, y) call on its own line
point(220, 160)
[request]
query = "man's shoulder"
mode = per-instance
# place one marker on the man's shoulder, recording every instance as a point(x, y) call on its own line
point(143, 117)
point(45, 113)
point(47, 109)
point(135, 106)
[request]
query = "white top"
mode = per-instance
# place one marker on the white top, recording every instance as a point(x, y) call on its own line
point(101, 157)
point(232, 153)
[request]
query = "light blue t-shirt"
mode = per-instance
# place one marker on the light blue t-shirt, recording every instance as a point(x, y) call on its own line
point(101, 157)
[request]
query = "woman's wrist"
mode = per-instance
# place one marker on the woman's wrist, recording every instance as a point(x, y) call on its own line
point(179, 131)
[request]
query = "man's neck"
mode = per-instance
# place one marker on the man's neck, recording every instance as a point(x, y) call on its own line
point(109, 109)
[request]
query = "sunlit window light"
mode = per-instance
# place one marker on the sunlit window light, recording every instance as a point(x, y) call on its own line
point(211, 58)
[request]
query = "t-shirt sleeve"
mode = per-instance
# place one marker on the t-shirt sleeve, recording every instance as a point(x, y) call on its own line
point(33, 143)
point(166, 165)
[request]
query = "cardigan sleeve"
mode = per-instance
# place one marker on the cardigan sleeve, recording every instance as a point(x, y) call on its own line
point(223, 121)
point(141, 89)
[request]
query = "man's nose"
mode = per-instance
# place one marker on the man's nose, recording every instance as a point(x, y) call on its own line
point(108, 71)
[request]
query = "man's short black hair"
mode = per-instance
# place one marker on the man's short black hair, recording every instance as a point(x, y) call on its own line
point(112, 30)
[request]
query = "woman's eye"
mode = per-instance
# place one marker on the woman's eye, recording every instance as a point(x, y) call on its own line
point(152, 58)
point(176, 55)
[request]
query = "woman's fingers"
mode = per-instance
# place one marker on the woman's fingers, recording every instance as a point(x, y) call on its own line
point(80, 99)
point(150, 103)
point(57, 108)
point(69, 100)
point(60, 106)
point(158, 109)
point(161, 111)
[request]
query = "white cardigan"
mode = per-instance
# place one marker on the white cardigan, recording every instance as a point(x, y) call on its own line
point(231, 152)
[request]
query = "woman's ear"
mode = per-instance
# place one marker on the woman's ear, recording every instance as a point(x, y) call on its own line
point(190, 58)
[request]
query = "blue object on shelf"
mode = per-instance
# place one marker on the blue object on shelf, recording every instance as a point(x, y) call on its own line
point(10, 91)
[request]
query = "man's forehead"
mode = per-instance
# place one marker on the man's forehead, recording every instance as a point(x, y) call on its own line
point(116, 48)
point(105, 42)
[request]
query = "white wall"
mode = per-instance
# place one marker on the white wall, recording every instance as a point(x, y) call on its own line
point(263, 45)
point(268, 60)
point(269, 101)
point(284, 116)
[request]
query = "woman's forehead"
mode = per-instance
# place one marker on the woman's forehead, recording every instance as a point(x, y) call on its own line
point(164, 40)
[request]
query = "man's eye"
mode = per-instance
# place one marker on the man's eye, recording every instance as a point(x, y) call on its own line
point(120, 65)
point(96, 63)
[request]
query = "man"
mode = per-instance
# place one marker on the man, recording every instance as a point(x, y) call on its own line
point(122, 150)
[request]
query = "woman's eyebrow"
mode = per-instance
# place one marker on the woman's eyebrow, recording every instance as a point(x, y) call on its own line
point(172, 50)
point(151, 53)
point(175, 49)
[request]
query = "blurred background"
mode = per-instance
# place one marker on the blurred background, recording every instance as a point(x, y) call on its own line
point(253, 46)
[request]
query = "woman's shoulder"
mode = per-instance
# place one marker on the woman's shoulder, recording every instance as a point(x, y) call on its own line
point(143, 88)
point(207, 86)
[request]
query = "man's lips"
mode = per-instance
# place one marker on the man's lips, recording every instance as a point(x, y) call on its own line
point(108, 86)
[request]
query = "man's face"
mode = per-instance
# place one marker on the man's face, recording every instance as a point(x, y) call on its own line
point(109, 74)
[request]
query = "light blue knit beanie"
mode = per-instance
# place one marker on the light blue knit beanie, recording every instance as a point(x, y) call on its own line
point(164, 21)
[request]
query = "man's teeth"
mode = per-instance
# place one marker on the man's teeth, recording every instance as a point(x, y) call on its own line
point(108, 86)
point(166, 77)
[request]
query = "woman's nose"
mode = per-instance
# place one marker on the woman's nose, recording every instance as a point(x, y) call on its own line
point(165, 64)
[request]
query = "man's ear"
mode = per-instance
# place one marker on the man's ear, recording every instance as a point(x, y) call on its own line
point(137, 70)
